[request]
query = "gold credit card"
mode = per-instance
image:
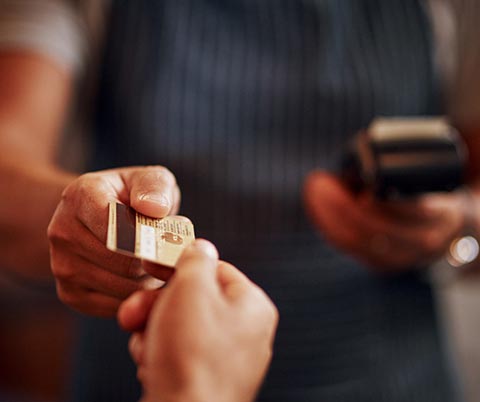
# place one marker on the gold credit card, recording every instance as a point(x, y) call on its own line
point(158, 240)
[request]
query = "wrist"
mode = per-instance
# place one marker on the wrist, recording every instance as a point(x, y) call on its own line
point(200, 393)
point(177, 397)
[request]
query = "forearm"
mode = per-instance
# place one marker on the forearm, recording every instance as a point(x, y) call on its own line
point(204, 389)
point(30, 192)
point(35, 99)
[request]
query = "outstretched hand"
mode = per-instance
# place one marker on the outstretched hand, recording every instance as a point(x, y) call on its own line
point(206, 336)
point(90, 278)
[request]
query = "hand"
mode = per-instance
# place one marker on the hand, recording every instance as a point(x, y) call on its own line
point(208, 334)
point(90, 278)
point(386, 235)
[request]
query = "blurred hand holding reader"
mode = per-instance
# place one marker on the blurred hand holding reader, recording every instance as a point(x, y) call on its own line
point(401, 157)
point(158, 240)
point(406, 157)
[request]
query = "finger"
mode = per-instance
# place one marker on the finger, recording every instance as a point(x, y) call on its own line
point(396, 247)
point(82, 217)
point(232, 281)
point(177, 199)
point(76, 270)
point(250, 299)
point(332, 208)
point(158, 271)
point(423, 210)
point(133, 313)
point(76, 239)
point(198, 265)
point(153, 190)
point(227, 273)
point(408, 211)
point(88, 302)
point(150, 190)
point(135, 347)
point(414, 237)
point(329, 202)
point(86, 200)
point(358, 226)
point(441, 206)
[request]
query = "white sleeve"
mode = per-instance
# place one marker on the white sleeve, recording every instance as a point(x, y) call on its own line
point(53, 28)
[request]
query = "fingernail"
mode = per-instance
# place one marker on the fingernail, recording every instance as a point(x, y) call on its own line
point(206, 247)
point(158, 198)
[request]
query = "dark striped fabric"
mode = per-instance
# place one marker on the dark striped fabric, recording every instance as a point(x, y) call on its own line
point(241, 99)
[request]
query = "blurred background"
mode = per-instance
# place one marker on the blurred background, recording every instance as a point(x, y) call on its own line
point(459, 300)
point(37, 333)
point(36, 343)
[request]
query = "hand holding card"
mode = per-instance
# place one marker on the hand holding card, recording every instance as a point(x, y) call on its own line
point(90, 278)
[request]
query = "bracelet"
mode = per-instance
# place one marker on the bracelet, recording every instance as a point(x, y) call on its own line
point(465, 249)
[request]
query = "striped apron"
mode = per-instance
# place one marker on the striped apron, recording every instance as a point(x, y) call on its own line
point(241, 99)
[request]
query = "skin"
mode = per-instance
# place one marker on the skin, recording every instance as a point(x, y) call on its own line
point(34, 103)
point(223, 326)
point(37, 194)
point(389, 236)
point(35, 98)
point(90, 278)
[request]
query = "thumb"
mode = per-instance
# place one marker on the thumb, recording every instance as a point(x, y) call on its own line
point(153, 190)
point(198, 264)
point(134, 311)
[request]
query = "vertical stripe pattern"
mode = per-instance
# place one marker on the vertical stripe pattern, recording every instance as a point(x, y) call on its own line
point(241, 99)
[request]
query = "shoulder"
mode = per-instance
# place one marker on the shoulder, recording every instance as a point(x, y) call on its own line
point(61, 29)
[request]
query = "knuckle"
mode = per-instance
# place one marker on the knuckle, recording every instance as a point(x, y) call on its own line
point(76, 187)
point(270, 312)
point(83, 186)
point(91, 197)
point(56, 230)
point(80, 193)
point(61, 267)
point(66, 297)
point(69, 192)
point(274, 313)
point(53, 231)
point(163, 174)
point(63, 272)
point(58, 234)
point(88, 186)
point(263, 306)
point(63, 254)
